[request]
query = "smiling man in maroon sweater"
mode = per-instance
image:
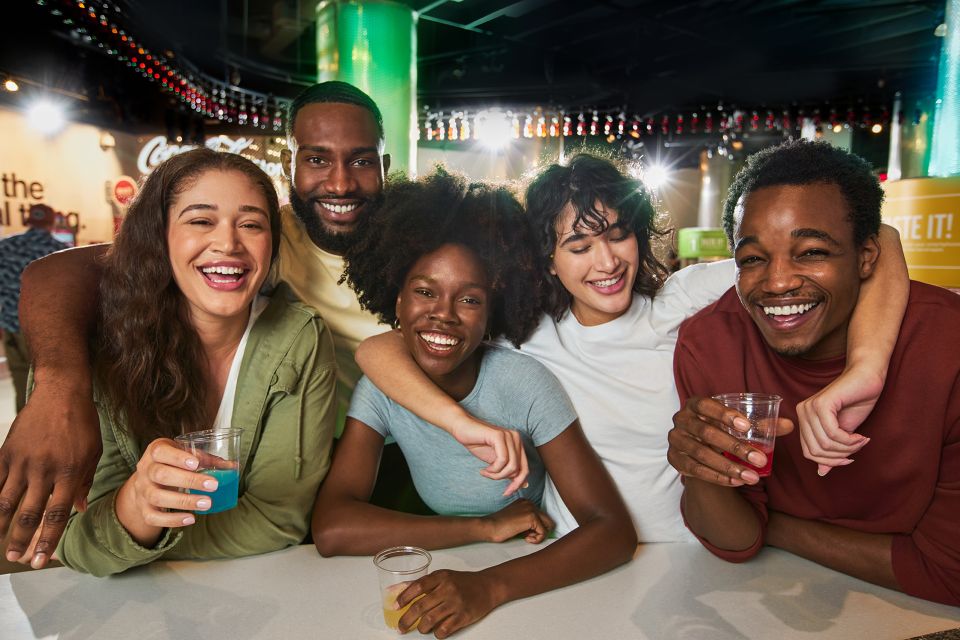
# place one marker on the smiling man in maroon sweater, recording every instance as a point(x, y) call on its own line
point(802, 219)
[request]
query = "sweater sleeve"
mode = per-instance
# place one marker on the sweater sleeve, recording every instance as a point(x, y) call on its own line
point(290, 461)
point(693, 379)
point(926, 562)
point(94, 541)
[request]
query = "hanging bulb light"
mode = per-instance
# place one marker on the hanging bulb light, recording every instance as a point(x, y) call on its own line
point(453, 132)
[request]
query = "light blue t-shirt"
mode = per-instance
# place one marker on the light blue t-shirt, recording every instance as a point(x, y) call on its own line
point(512, 389)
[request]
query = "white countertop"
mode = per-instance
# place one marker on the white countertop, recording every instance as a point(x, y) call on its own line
point(668, 591)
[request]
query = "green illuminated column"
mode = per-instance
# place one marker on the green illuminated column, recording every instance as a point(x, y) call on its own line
point(945, 152)
point(373, 45)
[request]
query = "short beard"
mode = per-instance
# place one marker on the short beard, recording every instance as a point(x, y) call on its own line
point(791, 351)
point(335, 243)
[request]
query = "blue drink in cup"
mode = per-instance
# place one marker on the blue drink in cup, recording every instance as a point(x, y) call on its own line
point(225, 496)
point(218, 451)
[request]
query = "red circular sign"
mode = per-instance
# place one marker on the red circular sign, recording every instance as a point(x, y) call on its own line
point(124, 189)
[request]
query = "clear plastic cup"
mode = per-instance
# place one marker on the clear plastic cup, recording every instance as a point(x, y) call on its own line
point(762, 410)
point(397, 567)
point(218, 451)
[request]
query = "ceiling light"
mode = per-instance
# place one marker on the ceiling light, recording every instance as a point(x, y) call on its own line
point(46, 117)
point(11, 85)
point(656, 176)
point(837, 128)
point(494, 129)
point(877, 128)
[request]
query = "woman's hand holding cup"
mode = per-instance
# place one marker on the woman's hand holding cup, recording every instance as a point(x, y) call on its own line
point(153, 498)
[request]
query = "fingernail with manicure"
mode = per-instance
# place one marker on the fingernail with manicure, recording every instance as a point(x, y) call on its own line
point(192, 463)
point(38, 561)
point(750, 477)
point(210, 484)
point(189, 520)
point(203, 504)
point(756, 458)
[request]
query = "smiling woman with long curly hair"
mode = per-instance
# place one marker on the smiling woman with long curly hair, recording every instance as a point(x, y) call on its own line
point(186, 343)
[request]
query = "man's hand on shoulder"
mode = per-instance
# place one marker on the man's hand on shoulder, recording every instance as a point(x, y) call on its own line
point(47, 464)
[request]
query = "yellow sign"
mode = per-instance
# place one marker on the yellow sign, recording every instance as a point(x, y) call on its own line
point(926, 211)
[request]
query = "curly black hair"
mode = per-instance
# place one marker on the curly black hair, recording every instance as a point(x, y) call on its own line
point(801, 162)
point(420, 216)
point(583, 182)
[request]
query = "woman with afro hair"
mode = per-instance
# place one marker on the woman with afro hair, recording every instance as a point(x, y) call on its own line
point(451, 265)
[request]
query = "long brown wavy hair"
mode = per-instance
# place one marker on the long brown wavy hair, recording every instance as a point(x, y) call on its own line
point(149, 361)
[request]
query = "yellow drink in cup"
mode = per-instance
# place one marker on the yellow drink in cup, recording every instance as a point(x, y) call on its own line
point(390, 615)
point(397, 567)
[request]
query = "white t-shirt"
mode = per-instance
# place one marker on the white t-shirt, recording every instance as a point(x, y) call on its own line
point(620, 378)
point(312, 274)
point(224, 419)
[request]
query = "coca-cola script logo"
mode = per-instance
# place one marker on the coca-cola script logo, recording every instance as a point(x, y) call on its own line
point(157, 150)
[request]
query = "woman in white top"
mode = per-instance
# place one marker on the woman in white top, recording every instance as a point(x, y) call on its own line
point(609, 330)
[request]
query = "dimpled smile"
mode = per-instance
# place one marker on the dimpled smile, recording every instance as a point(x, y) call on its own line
point(609, 282)
point(789, 310)
point(340, 208)
point(439, 341)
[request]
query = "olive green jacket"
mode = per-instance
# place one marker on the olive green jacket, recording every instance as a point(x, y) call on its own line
point(286, 404)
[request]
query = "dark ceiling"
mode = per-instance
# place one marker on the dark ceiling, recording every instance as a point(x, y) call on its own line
point(646, 56)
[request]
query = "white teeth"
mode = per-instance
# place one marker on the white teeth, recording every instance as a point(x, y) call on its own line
point(225, 271)
point(789, 310)
point(339, 208)
point(440, 339)
point(607, 283)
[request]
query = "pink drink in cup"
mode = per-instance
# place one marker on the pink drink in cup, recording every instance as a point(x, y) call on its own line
point(762, 410)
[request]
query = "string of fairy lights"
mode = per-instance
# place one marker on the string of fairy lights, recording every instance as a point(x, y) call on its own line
point(98, 23)
point(613, 124)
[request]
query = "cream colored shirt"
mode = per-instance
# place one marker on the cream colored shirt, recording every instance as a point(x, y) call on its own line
point(312, 274)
